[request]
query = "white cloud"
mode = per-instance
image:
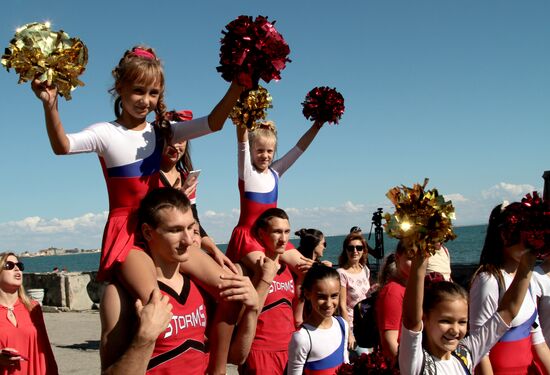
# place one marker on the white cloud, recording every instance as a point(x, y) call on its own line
point(455, 198)
point(353, 208)
point(34, 233)
point(507, 191)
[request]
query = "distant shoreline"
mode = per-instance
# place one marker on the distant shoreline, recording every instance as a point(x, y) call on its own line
point(28, 254)
point(57, 255)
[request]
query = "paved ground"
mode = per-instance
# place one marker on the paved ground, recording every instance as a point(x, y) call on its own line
point(75, 340)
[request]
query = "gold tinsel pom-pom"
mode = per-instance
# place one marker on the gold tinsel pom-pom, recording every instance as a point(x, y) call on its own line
point(423, 217)
point(53, 56)
point(251, 108)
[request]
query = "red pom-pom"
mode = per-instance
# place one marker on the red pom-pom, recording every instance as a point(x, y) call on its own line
point(323, 104)
point(252, 49)
point(536, 223)
point(373, 363)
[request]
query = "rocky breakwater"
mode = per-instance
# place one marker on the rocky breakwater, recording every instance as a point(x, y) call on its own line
point(78, 291)
point(75, 291)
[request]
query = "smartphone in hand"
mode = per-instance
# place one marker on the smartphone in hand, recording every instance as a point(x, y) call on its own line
point(194, 173)
point(9, 353)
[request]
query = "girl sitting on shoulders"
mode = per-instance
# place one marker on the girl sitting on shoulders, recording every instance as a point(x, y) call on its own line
point(259, 186)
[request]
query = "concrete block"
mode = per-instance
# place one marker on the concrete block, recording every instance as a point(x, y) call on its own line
point(53, 285)
point(76, 289)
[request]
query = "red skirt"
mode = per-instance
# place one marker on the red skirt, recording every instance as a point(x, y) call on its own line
point(118, 240)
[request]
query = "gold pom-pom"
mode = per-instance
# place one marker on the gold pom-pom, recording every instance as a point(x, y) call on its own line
point(423, 217)
point(251, 108)
point(35, 50)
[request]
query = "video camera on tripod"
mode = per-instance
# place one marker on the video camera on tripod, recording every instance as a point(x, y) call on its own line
point(378, 251)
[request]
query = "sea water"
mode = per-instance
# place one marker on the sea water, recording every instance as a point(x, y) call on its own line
point(465, 249)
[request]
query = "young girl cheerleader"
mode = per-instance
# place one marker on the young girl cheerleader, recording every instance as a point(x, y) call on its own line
point(258, 187)
point(499, 261)
point(129, 150)
point(276, 291)
point(435, 323)
point(319, 347)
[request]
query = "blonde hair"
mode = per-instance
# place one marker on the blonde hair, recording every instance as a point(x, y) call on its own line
point(266, 129)
point(21, 291)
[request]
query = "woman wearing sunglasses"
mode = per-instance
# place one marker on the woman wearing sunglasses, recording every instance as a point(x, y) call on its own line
point(25, 347)
point(354, 278)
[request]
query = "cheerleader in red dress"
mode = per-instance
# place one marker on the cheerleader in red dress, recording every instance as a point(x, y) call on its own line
point(499, 261)
point(258, 187)
point(130, 151)
point(23, 337)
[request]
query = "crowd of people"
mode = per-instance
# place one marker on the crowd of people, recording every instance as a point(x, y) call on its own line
point(174, 302)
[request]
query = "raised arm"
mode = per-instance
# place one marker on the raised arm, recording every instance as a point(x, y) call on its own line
point(242, 134)
point(414, 294)
point(512, 300)
point(219, 114)
point(48, 96)
point(309, 136)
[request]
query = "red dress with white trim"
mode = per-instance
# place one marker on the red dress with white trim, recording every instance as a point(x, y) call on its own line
point(258, 192)
point(130, 160)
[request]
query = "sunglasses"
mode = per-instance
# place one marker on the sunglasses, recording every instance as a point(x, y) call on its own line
point(325, 244)
point(352, 248)
point(9, 265)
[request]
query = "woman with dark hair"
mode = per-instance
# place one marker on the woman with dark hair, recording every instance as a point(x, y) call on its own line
point(175, 171)
point(25, 347)
point(498, 263)
point(354, 277)
point(312, 244)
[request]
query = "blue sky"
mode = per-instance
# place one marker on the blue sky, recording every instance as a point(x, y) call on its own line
point(457, 91)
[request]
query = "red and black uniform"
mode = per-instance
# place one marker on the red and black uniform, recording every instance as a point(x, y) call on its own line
point(269, 352)
point(181, 348)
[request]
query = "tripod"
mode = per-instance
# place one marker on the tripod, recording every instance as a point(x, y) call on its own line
point(378, 251)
